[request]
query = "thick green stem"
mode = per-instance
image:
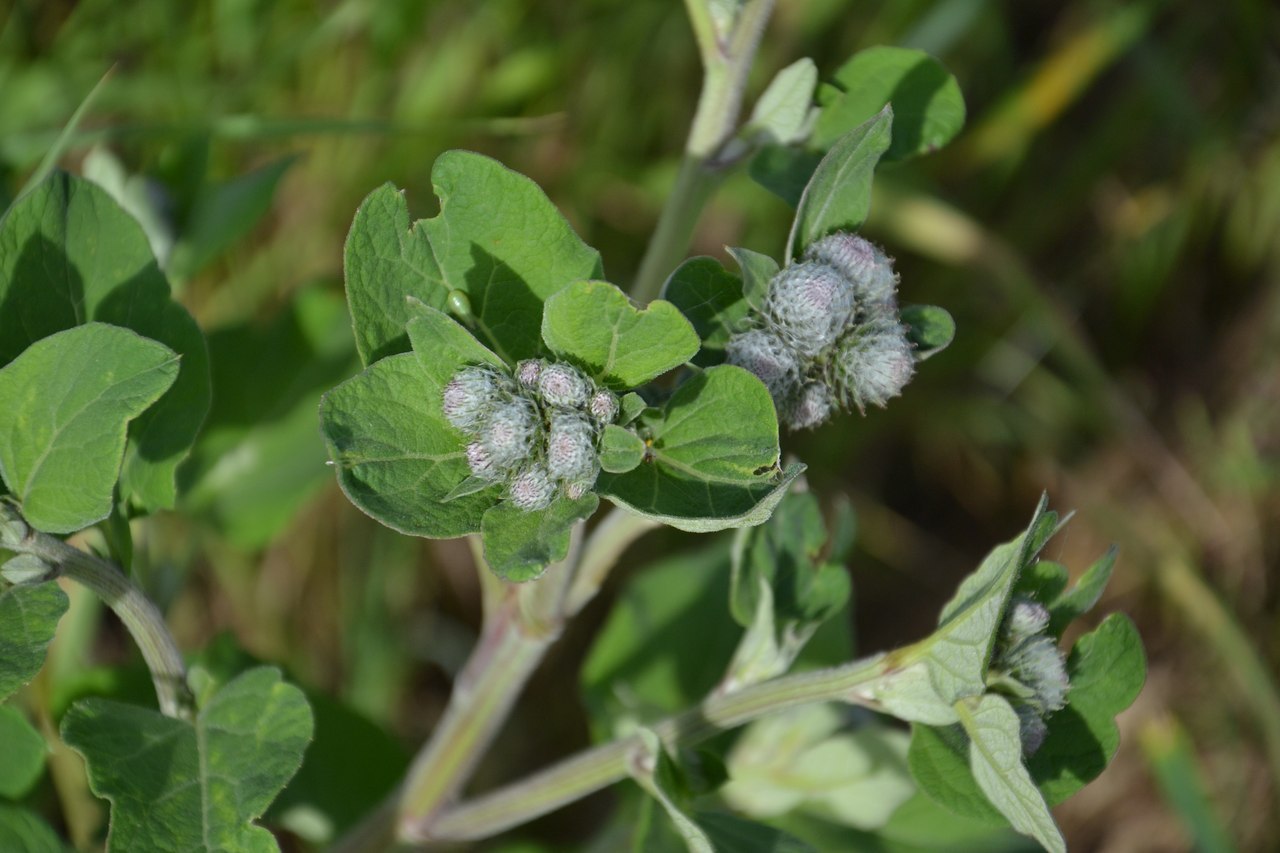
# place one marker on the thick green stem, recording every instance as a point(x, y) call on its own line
point(726, 61)
point(144, 622)
point(589, 771)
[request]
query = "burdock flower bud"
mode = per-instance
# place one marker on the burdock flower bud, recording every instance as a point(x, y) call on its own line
point(1025, 618)
point(810, 304)
point(508, 433)
point(811, 407)
point(1037, 663)
point(578, 488)
point(571, 451)
point(769, 358)
point(862, 263)
point(603, 406)
point(481, 463)
point(532, 488)
point(562, 385)
point(469, 396)
point(528, 371)
point(874, 364)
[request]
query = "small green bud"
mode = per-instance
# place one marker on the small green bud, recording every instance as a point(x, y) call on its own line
point(562, 385)
point(603, 406)
point(509, 432)
point(810, 305)
point(870, 270)
point(469, 396)
point(531, 489)
point(459, 305)
point(571, 451)
point(873, 365)
point(12, 527)
point(769, 358)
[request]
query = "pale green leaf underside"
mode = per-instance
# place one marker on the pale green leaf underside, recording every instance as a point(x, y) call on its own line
point(781, 115)
point(701, 474)
point(69, 399)
point(69, 254)
point(595, 325)
point(500, 240)
point(995, 757)
point(28, 619)
point(387, 259)
point(175, 785)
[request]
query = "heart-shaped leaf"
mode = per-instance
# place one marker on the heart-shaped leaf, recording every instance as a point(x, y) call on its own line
point(177, 785)
point(702, 475)
point(595, 325)
point(69, 254)
point(69, 399)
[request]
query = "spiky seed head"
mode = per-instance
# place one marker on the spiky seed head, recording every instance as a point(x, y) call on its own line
point(469, 396)
point(527, 372)
point(509, 431)
point(603, 406)
point(481, 463)
point(873, 365)
point(531, 488)
point(810, 304)
point(571, 450)
point(1025, 618)
point(767, 356)
point(1038, 664)
point(811, 406)
point(862, 263)
point(562, 385)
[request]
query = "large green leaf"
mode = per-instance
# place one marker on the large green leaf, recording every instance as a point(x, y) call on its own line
point(69, 255)
point(711, 298)
point(28, 619)
point(177, 785)
point(387, 259)
point(838, 196)
point(713, 456)
point(69, 399)
point(519, 545)
point(499, 239)
point(928, 108)
point(24, 753)
point(595, 325)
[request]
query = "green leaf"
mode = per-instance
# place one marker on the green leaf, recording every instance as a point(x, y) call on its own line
point(784, 171)
point(732, 834)
point(959, 651)
point(1107, 668)
point(69, 399)
point(809, 758)
point(995, 757)
point(384, 261)
point(499, 239)
point(655, 772)
point(757, 271)
point(176, 785)
point(928, 107)
point(69, 255)
point(714, 456)
point(396, 457)
point(595, 325)
point(28, 619)
point(710, 297)
point(782, 114)
point(223, 213)
point(1069, 606)
point(838, 196)
point(630, 407)
point(930, 329)
point(621, 450)
point(441, 345)
point(22, 830)
point(24, 752)
point(26, 568)
point(519, 545)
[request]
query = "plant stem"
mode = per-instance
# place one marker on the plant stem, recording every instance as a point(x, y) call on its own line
point(600, 553)
point(589, 771)
point(144, 622)
point(726, 62)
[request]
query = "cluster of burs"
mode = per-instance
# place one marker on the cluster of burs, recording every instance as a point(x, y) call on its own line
point(1031, 666)
point(829, 335)
point(536, 432)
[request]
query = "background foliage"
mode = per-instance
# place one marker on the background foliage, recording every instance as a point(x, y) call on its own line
point(1104, 232)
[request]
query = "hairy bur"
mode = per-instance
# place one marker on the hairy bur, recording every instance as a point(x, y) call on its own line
point(562, 385)
point(532, 488)
point(868, 270)
point(767, 356)
point(810, 304)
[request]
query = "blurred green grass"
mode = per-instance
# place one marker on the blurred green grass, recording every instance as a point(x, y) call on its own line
point(1106, 233)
